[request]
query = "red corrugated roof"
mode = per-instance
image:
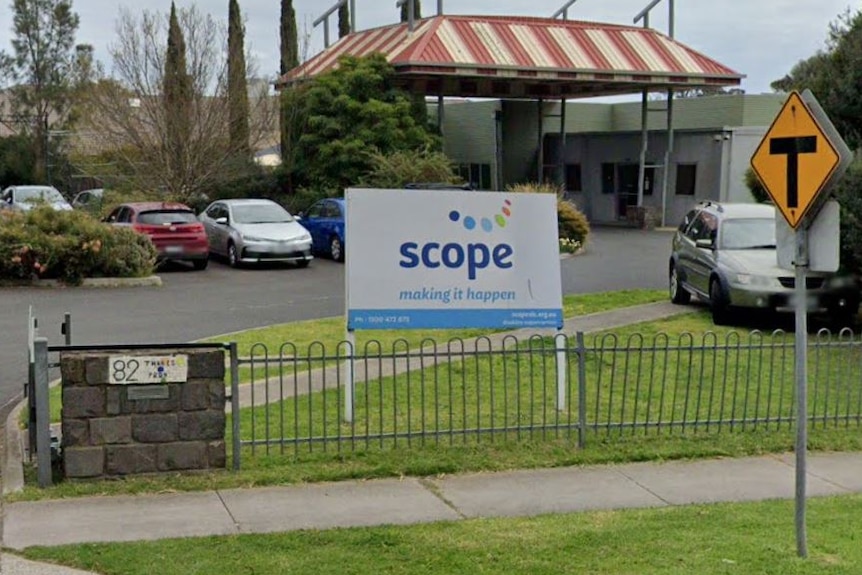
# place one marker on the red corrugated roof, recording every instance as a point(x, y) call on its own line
point(550, 50)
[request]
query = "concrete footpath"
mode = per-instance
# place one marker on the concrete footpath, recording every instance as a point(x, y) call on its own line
point(420, 500)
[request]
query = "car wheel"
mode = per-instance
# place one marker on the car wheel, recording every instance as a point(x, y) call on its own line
point(200, 265)
point(336, 249)
point(718, 303)
point(678, 294)
point(232, 255)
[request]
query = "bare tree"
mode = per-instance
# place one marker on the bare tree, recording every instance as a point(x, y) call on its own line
point(128, 113)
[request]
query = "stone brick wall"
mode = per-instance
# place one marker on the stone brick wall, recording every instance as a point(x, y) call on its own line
point(107, 433)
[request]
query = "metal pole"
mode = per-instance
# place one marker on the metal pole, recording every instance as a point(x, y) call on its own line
point(326, 33)
point(352, 16)
point(411, 14)
point(670, 18)
point(582, 390)
point(668, 156)
point(562, 162)
point(234, 404)
point(348, 377)
point(440, 112)
point(562, 370)
point(541, 175)
point(43, 412)
point(644, 146)
point(439, 7)
point(801, 265)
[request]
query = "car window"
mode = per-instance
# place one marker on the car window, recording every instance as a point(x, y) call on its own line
point(164, 217)
point(332, 210)
point(686, 221)
point(215, 211)
point(260, 214)
point(709, 229)
point(315, 211)
point(747, 234)
point(39, 195)
point(125, 215)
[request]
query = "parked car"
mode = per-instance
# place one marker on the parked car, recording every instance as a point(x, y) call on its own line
point(173, 228)
point(726, 254)
point(325, 221)
point(253, 231)
point(89, 200)
point(25, 198)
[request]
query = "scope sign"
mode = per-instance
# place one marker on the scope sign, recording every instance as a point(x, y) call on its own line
point(140, 369)
point(796, 161)
point(422, 259)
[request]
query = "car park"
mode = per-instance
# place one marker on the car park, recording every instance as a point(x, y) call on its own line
point(172, 227)
point(88, 200)
point(255, 230)
point(325, 222)
point(726, 254)
point(25, 198)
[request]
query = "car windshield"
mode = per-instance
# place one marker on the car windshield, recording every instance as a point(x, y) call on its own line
point(38, 195)
point(748, 234)
point(165, 217)
point(261, 214)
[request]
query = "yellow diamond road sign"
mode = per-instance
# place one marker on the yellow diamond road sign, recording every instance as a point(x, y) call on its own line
point(795, 160)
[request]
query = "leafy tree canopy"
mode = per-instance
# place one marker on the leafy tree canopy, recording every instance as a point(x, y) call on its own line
point(350, 113)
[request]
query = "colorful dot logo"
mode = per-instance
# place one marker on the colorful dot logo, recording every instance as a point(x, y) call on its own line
point(487, 224)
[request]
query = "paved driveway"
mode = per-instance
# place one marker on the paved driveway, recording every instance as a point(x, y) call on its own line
point(193, 305)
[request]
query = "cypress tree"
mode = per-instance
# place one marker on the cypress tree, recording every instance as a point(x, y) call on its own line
point(417, 10)
point(289, 37)
point(177, 93)
point(237, 88)
point(343, 20)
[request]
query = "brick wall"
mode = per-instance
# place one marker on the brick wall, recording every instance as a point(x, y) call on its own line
point(105, 432)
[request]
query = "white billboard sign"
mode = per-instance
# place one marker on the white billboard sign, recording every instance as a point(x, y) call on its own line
point(421, 259)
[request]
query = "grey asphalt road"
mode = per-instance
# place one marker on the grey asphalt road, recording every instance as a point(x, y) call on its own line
point(193, 305)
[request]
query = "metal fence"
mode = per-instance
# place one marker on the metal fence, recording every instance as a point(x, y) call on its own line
point(405, 394)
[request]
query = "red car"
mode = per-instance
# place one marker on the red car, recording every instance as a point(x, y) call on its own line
point(173, 228)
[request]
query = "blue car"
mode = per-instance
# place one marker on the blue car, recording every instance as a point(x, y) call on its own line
point(325, 222)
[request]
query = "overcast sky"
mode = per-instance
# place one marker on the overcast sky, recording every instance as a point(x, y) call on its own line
point(759, 38)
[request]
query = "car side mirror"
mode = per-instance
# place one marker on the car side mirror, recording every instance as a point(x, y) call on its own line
point(705, 244)
point(222, 221)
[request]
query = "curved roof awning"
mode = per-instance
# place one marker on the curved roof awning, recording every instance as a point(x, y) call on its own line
point(509, 57)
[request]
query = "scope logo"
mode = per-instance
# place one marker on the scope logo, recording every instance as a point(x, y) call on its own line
point(475, 256)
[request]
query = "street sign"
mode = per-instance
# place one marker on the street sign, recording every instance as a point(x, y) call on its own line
point(798, 158)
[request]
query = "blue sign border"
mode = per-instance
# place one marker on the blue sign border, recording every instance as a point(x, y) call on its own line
point(366, 319)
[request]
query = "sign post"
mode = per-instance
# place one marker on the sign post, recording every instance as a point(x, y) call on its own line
point(799, 160)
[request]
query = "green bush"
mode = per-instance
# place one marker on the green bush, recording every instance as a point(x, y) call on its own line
point(394, 170)
point(571, 222)
point(752, 182)
point(69, 246)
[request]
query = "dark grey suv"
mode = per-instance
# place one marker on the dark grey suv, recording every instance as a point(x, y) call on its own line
point(725, 254)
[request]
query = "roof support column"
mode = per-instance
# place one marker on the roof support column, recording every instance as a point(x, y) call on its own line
point(668, 157)
point(561, 175)
point(644, 147)
point(540, 177)
point(440, 111)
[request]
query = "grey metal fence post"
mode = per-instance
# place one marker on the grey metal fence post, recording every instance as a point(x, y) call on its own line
point(562, 361)
point(234, 404)
point(581, 351)
point(43, 412)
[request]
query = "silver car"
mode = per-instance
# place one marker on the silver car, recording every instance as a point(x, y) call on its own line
point(25, 198)
point(252, 231)
point(726, 254)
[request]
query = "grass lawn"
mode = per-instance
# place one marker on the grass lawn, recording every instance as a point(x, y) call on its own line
point(718, 539)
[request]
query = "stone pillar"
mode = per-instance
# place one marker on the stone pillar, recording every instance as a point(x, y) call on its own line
point(117, 429)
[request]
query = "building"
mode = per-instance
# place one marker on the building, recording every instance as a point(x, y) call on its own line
point(496, 143)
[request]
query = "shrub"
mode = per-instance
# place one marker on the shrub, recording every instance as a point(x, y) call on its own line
point(69, 246)
point(572, 224)
point(396, 169)
point(752, 182)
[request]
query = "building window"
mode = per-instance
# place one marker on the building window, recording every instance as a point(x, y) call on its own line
point(608, 178)
point(478, 175)
point(573, 178)
point(686, 175)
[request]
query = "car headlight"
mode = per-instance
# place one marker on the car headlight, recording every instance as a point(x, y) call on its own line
point(305, 238)
point(753, 280)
